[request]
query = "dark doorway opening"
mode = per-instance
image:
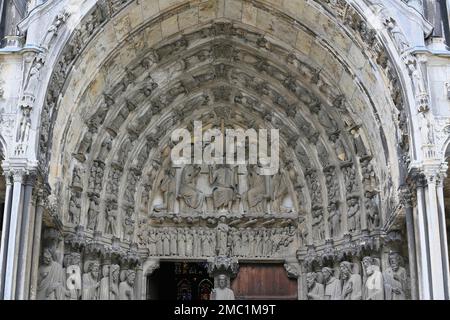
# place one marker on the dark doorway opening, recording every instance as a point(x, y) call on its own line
point(186, 281)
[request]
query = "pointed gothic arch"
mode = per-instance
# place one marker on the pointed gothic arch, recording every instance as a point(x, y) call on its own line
point(119, 77)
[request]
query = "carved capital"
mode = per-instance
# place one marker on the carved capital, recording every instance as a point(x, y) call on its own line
point(406, 196)
point(18, 175)
point(8, 177)
point(417, 178)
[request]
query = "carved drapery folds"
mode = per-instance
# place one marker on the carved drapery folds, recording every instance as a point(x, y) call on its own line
point(82, 269)
point(362, 278)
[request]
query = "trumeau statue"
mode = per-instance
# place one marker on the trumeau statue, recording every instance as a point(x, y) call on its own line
point(51, 278)
point(351, 289)
point(126, 288)
point(222, 292)
point(395, 279)
point(315, 289)
point(91, 284)
point(332, 285)
point(373, 284)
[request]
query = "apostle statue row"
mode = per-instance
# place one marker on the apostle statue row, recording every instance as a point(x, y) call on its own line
point(223, 240)
point(106, 282)
point(373, 285)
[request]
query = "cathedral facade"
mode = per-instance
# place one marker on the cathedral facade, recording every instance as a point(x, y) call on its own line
point(94, 207)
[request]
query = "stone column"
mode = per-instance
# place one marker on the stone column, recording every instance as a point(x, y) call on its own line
point(26, 231)
point(443, 232)
point(422, 241)
point(36, 248)
point(5, 233)
point(14, 235)
point(435, 240)
point(406, 199)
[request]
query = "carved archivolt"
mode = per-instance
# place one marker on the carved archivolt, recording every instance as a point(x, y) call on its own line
point(121, 195)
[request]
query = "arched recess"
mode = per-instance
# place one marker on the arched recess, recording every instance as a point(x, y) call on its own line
point(127, 76)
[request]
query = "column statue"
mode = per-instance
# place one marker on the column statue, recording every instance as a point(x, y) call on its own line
point(395, 279)
point(51, 277)
point(90, 281)
point(373, 285)
point(332, 285)
point(315, 290)
point(126, 288)
point(351, 289)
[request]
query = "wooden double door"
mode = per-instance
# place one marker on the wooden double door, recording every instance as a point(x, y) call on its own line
point(190, 281)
